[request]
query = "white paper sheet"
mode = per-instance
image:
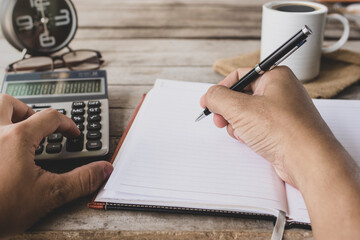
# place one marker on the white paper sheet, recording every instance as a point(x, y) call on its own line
point(170, 158)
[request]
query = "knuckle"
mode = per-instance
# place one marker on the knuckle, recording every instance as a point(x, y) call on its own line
point(51, 111)
point(59, 192)
point(87, 182)
point(4, 97)
point(285, 71)
point(19, 131)
point(212, 93)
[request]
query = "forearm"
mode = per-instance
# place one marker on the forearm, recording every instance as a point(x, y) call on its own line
point(328, 179)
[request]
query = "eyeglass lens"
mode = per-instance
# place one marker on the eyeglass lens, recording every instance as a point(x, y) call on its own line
point(82, 60)
point(34, 64)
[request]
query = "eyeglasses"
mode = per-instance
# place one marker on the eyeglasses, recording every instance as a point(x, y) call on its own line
point(73, 60)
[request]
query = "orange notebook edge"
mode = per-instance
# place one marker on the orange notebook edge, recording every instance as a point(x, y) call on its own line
point(101, 205)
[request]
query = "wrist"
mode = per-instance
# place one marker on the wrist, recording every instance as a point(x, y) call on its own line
point(318, 158)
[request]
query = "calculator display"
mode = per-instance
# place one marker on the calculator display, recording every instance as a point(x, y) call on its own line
point(54, 87)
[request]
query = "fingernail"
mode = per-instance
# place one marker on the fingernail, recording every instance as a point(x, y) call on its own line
point(108, 170)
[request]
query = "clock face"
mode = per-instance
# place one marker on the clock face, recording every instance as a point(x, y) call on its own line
point(44, 26)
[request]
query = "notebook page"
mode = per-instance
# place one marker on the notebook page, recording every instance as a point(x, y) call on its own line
point(169, 157)
point(343, 118)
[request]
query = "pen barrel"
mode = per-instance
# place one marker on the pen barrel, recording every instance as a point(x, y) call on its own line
point(297, 39)
point(244, 81)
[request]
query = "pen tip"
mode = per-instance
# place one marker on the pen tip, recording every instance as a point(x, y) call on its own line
point(202, 115)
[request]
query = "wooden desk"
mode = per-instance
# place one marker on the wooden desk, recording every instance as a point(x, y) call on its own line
point(142, 40)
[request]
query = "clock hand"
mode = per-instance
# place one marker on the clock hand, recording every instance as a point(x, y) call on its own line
point(44, 19)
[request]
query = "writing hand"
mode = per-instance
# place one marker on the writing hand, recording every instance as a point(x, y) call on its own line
point(275, 117)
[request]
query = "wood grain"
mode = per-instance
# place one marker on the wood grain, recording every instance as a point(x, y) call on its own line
point(178, 19)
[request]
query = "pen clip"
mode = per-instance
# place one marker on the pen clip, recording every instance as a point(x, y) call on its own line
point(288, 54)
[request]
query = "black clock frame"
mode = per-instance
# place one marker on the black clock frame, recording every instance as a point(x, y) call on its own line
point(8, 30)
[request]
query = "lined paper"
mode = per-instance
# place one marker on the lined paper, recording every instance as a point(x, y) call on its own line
point(343, 118)
point(169, 159)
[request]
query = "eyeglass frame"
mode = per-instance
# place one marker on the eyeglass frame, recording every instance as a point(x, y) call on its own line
point(10, 68)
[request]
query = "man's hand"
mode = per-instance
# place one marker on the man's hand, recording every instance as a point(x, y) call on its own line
point(278, 120)
point(275, 117)
point(27, 192)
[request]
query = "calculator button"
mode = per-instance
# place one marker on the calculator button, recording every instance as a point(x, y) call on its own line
point(78, 111)
point(94, 118)
point(62, 111)
point(93, 145)
point(80, 126)
point(75, 144)
point(95, 110)
point(39, 149)
point(55, 137)
point(93, 135)
point(78, 118)
point(94, 126)
point(53, 148)
point(94, 104)
point(78, 105)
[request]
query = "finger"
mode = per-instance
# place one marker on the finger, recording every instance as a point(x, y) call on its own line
point(47, 121)
point(230, 80)
point(219, 121)
point(13, 110)
point(79, 182)
point(226, 102)
point(233, 134)
point(230, 131)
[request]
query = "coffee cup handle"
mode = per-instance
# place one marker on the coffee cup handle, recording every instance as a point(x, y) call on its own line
point(344, 36)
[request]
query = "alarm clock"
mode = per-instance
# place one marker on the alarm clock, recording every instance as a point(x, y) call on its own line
point(41, 27)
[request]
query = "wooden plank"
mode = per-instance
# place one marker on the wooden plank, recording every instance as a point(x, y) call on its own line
point(163, 235)
point(154, 52)
point(177, 19)
point(146, 75)
point(146, 3)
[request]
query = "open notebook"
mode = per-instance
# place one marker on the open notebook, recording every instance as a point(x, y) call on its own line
point(168, 161)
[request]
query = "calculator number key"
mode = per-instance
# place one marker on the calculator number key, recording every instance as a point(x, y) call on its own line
point(53, 148)
point(39, 149)
point(55, 137)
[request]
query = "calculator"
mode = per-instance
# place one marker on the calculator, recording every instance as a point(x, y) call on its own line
point(81, 96)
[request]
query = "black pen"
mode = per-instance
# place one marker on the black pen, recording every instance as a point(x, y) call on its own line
point(269, 63)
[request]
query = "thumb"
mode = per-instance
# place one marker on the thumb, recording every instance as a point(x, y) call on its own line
point(79, 182)
point(228, 103)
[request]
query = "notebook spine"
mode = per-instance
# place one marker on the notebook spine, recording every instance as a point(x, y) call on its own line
point(182, 210)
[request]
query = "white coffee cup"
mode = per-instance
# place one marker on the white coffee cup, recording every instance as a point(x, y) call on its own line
point(279, 23)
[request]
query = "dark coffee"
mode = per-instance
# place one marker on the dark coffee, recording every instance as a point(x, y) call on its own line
point(294, 8)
